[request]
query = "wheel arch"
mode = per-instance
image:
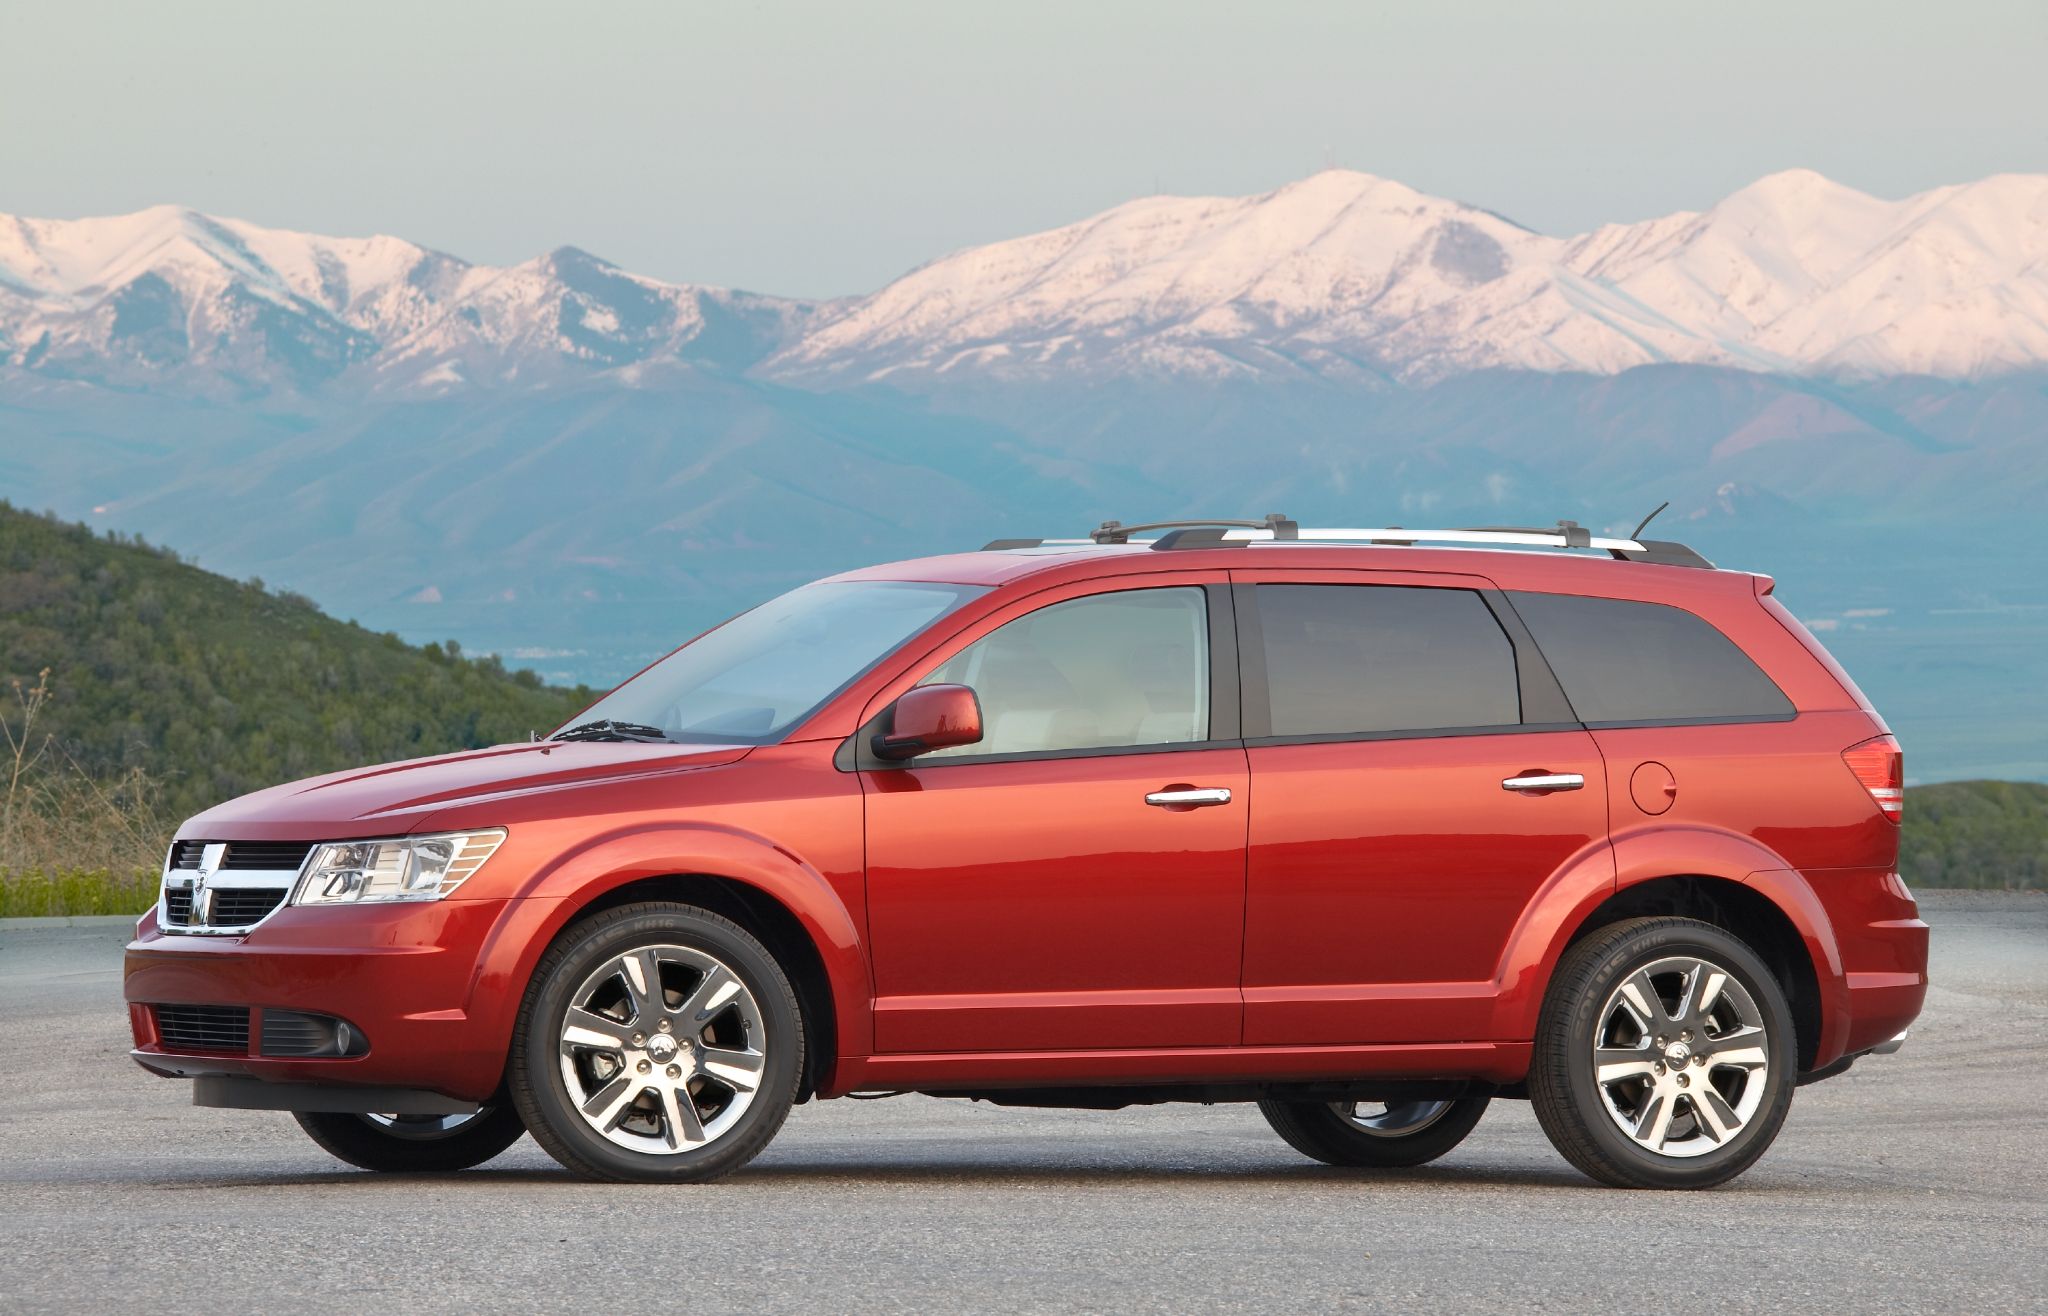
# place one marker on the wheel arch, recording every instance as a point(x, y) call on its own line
point(773, 923)
point(1720, 877)
point(789, 905)
point(1743, 911)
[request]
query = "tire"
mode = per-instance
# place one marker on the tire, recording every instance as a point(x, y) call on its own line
point(1391, 1137)
point(414, 1143)
point(668, 1103)
point(1696, 1059)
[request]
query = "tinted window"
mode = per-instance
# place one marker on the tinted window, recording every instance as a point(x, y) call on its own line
point(1645, 662)
point(1110, 670)
point(1379, 658)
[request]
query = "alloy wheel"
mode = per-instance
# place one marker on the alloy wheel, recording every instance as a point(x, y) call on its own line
point(662, 1049)
point(1681, 1056)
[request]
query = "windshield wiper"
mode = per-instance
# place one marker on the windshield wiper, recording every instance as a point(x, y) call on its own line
point(606, 729)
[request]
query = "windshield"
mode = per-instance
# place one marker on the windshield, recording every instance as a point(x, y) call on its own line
point(752, 679)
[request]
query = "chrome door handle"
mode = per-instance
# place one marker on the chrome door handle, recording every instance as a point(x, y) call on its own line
point(1189, 797)
point(1545, 781)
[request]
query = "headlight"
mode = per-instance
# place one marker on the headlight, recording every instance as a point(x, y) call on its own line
point(413, 868)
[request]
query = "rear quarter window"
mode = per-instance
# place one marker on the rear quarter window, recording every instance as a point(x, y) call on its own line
point(1627, 663)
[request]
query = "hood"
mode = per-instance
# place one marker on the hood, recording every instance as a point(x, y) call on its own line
point(393, 799)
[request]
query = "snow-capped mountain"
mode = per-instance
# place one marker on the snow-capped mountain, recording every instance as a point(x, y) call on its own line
point(169, 293)
point(1349, 275)
point(1341, 276)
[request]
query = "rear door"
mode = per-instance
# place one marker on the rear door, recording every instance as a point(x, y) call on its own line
point(1417, 778)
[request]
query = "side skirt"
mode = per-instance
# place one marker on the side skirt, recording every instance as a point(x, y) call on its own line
point(1490, 1063)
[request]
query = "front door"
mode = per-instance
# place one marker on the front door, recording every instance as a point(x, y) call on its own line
point(1415, 786)
point(1075, 881)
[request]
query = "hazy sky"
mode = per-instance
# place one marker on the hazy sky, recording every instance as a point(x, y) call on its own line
point(823, 148)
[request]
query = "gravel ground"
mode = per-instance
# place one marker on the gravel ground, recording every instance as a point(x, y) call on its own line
point(1916, 1181)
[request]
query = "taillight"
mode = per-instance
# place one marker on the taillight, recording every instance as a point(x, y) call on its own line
point(1880, 765)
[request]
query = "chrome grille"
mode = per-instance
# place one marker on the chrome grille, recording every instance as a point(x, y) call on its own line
point(203, 1027)
point(226, 888)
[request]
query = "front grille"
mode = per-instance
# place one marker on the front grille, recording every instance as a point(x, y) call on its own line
point(203, 1027)
point(274, 855)
point(235, 907)
point(226, 906)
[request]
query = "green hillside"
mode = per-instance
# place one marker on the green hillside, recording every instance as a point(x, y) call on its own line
point(1976, 834)
point(202, 688)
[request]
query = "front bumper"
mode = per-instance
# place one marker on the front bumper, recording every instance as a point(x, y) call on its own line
point(431, 986)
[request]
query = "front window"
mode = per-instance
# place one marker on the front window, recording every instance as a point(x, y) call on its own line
point(1109, 671)
point(752, 679)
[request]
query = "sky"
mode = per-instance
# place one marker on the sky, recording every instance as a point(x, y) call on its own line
point(820, 149)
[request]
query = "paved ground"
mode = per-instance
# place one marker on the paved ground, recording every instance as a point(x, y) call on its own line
point(1915, 1182)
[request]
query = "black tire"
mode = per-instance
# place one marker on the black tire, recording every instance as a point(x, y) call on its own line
point(1573, 1107)
point(407, 1144)
point(1326, 1131)
point(541, 1092)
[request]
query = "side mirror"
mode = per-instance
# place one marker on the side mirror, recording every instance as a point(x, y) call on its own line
point(930, 717)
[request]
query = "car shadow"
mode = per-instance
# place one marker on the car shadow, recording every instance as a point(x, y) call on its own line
point(986, 1172)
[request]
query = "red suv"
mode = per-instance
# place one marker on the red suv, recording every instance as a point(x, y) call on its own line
point(1362, 828)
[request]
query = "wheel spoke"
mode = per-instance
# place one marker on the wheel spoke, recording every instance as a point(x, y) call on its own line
point(712, 995)
point(1653, 1124)
point(1703, 1002)
point(1615, 1063)
point(1641, 995)
point(588, 1028)
point(1741, 1048)
point(680, 1126)
point(1716, 1117)
point(608, 1105)
point(738, 1070)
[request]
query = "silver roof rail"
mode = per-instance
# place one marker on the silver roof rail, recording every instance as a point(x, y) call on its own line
point(1277, 528)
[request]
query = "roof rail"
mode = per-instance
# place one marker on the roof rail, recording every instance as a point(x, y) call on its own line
point(1223, 533)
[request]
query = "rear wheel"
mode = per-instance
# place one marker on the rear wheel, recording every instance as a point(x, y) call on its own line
point(416, 1143)
point(657, 1043)
point(1383, 1134)
point(1665, 1055)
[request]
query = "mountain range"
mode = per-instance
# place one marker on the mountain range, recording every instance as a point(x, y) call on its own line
point(1342, 276)
point(577, 465)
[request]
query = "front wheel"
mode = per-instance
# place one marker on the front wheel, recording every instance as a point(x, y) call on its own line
point(414, 1143)
point(1664, 1056)
point(657, 1044)
point(1386, 1135)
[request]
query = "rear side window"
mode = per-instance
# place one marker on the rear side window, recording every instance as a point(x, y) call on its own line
point(1625, 662)
point(1376, 659)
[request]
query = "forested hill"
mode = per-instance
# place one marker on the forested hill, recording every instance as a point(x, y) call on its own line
point(1976, 834)
point(214, 687)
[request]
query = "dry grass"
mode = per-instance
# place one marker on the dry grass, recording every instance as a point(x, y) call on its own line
point(70, 844)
